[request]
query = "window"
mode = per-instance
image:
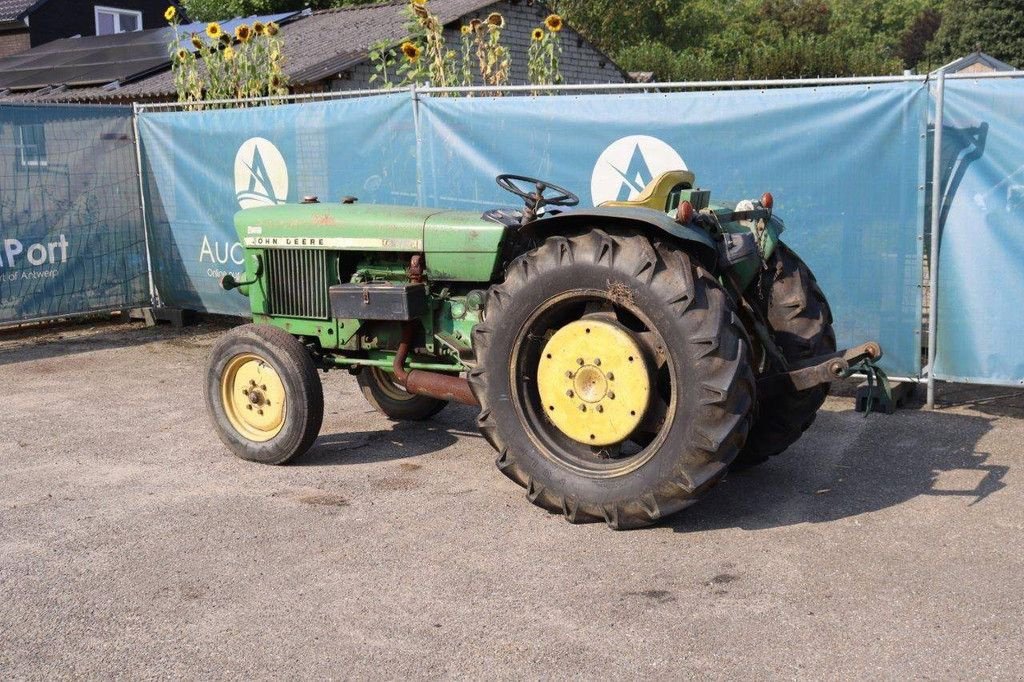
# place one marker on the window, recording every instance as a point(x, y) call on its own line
point(110, 20)
point(31, 145)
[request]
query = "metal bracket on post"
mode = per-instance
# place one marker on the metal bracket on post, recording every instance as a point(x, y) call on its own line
point(154, 296)
point(933, 255)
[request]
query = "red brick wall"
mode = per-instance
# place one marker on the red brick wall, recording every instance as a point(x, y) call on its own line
point(13, 42)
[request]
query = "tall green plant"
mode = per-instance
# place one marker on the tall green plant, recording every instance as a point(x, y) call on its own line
point(245, 65)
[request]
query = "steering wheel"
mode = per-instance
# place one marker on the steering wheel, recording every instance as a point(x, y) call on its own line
point(535, 199)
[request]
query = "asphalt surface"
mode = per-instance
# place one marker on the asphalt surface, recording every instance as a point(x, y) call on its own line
point(132, 544)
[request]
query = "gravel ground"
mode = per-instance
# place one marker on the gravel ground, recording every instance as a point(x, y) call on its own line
point(131, 543)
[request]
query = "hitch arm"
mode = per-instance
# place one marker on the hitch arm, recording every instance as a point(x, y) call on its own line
point(823, 369)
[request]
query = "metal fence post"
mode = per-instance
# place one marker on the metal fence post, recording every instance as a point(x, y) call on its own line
point(413, 92)
point(933, 256)
point(154, 296)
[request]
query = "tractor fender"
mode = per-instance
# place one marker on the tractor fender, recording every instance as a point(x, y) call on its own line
point(649, 221)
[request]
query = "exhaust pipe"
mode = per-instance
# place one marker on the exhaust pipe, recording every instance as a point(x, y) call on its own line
point(431, 384)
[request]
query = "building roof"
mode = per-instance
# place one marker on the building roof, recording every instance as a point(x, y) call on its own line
point(11, 10)
point(977, 61)
point(317, 47)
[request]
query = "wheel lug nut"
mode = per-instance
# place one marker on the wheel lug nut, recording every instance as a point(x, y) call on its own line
point(579, 361)
point(611, 395)
point(249, 406)
point(583, 408)
point(569, 374)
point(611, 377)
point(570, 393)
point(599, 408)
point(597, 362)
point(263, 387)
point(261, 413)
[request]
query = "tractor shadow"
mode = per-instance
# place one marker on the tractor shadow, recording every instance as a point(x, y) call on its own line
point(403, 440)
point(846, 465)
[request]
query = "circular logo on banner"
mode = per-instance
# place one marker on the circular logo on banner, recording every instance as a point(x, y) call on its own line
point(261, 175)
point(628, 165)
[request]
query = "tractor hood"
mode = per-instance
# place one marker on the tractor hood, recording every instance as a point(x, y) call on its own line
point(349, 227)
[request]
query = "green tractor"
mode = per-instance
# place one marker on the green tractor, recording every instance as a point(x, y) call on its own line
point(621, 357)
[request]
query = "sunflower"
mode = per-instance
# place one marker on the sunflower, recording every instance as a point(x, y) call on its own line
point(466, 29)
point(182, 55)
point(411, 51)
point(275, 81)
point(243, 33)
point(259, 28)
point(170, 13)
point(554, 23)
point(475, 25)
point(538, 34)
point(229, 53)
point(214, 30)
point(224, 39)
point(275, 55)
point(496, 20)
point(272, 28)
point(197, 42)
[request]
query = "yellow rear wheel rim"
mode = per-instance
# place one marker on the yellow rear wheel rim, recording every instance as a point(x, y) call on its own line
point(253, 397)
point(594, 382)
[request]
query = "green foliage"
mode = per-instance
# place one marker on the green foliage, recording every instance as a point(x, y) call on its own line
point(727, 39)
point(993, 26)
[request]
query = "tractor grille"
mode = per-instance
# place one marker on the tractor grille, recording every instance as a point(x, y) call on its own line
point(297, 283)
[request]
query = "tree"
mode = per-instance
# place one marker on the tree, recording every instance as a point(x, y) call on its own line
point(914, 43)
point(992, 26)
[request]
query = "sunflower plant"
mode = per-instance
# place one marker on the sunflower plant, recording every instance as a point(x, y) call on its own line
point(245, 64)
point(384, 61)
point(545, 52)
point(492, 57)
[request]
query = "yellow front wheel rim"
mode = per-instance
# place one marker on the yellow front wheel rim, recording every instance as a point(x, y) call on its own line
point(253, 397)
point(594, 382)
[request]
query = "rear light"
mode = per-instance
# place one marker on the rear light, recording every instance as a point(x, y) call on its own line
point(767, 200)
point(684, 214)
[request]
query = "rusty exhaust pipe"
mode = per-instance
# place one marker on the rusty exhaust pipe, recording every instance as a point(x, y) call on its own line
point(431, 384)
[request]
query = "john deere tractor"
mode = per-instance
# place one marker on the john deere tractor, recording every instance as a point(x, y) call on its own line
point(621, 357)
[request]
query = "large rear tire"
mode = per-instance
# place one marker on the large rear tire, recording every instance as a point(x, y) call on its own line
point(263, 394)
point(699, 383)
point(801, 325)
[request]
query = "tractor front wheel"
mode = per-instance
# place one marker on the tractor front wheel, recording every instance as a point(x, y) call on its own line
point(613, 377)
point(263, 394)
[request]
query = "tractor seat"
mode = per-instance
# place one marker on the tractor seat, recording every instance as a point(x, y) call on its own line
point(658, 192)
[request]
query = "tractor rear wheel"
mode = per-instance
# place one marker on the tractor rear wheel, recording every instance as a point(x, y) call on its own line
point(801, 325)
point(613, 377)
point(264, 394)
point(390, 399)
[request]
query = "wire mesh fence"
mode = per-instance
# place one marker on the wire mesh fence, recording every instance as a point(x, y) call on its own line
point(71, 234)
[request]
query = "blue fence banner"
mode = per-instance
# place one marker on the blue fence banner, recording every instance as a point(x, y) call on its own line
point(846, 165)
point(981, 257)
point(71, 233)
point(200, 168)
